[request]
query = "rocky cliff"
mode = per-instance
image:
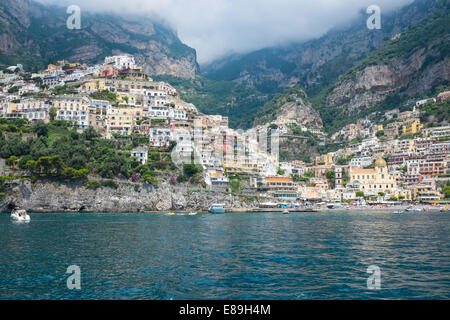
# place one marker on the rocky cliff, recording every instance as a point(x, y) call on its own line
point(411, 66)
point(293, 104)
point(34, 34)
point(57, 197)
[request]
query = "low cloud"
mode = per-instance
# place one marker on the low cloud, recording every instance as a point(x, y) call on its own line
point(218, 27)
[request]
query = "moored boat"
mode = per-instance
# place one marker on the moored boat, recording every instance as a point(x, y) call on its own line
point(217, 208)
point(20, 216)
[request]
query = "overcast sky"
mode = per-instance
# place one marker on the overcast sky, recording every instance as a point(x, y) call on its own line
point(218, 27)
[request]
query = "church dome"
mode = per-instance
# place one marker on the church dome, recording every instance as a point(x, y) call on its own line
point(380, 163)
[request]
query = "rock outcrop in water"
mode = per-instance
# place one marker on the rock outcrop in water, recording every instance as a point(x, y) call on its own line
point(73, 197)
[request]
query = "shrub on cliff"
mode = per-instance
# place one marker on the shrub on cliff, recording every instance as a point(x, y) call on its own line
point(71, 174)
point(93, 185)
point(110, 184)
point(150, 179)
point(191, 169)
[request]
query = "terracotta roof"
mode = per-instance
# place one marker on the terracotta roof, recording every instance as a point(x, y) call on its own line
point(363, 171)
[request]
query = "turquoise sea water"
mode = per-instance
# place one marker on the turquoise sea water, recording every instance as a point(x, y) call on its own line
point(230, 256)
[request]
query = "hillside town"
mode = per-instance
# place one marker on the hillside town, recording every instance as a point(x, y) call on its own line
point(398, 161)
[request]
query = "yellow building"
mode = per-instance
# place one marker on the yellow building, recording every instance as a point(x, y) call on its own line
point(326, 159)
point(378, 127)
point(373, 180)
point(282, 187)
point(121, 120)
point(94, 85)
point(412, 127)
point(424, 192)
point(72, 109)
point(127, 99)
point(241, 163)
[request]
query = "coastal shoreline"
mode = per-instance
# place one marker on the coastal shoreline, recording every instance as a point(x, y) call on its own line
point(401, 209)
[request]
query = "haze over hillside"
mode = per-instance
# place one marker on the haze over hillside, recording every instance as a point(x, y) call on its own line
point(346, 72)
point(34, 34)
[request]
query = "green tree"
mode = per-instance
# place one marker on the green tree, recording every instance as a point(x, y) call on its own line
point(447, 192)
point(360, 194)
point(53, 113)
point(191, 169)
point(40, 128)
point(11, 161)
point(23, 161)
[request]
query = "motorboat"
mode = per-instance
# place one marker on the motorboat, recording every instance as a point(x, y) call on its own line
point(192, 213)
point(171, 213)
point(335, 205)
point(217, 208)
point(286, 211)
point(20, 216)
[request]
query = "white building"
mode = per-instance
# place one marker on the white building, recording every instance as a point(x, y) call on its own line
point(159, 137)
point(121, 62)
point(361, 162)
point(29, 88)
point(141, 154)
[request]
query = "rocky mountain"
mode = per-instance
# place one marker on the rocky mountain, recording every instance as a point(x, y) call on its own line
point(413, 65)
point(349, 72)
point(35, 34)
point(317, 62)
point(292, 104)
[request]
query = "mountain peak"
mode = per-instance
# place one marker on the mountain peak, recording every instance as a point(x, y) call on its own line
point(34, 33)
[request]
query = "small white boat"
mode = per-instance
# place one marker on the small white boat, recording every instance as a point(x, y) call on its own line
point(286, 211)
point(20, 216)
point(192, 213)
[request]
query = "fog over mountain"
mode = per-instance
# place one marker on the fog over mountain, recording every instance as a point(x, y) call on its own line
point(220, 27)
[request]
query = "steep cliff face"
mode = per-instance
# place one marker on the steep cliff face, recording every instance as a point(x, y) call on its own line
point(57, 197)
point(333, 69)
point(293, 104)
point(301, 111)
point(32, 34)
point(412, 66)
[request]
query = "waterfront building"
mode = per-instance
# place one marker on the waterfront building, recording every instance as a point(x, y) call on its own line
point(373, 180)
point(281, 187)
